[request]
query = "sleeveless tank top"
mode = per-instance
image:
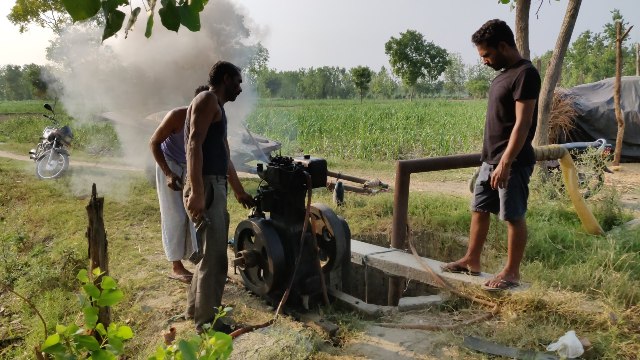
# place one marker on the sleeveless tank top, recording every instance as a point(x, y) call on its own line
point(214, 151)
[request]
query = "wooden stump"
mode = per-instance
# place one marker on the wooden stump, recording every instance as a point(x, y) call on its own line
point(97, 237)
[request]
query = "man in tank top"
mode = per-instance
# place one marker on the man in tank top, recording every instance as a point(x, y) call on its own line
point(205, 194)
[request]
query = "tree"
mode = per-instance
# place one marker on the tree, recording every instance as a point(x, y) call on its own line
point(413, 58)
point(454, 75)
point(522, 27)
point(479, 79)
point(54, 13)
point(361, 76)
point(257, 63)
point(45, 13)
point(14, 84)
point(383, 85)
point(553, 73)
point(32, 75)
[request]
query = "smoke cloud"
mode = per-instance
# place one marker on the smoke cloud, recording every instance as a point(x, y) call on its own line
point(128, 79)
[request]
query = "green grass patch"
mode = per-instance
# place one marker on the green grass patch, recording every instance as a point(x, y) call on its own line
point(380, 130)
point(25, 106)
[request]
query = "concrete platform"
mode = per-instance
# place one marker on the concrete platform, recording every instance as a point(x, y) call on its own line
point(400, 263)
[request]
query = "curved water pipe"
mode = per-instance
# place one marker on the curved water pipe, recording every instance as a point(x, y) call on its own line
point(570, 179)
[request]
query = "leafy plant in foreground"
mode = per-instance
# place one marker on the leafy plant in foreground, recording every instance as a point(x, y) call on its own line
point(208, 345)
point(74, 342)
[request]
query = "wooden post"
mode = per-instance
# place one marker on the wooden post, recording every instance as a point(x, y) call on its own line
point(97, 237)
point(616, 93)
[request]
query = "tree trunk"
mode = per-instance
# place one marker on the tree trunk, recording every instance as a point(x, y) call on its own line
point(637, 59)
point(553, 72)
point(522, 27)
point(616, 96)
point(97, 237)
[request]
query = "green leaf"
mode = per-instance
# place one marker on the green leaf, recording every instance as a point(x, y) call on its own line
point(102, 355)
point(60, 329)
point(108, 283)
point(188, 353)
point(116, 345)
point(57, 349)
point(150, 15)
point(170, 16)
point(81, 10)
point(148, 30)
point(113, 24)
point(189, 18)
point(74, 329)
point(101, 330)
point(91, 317)
point(91, 290)
point(83, 276)
point(110, 297)
point(196, 5)
point(88, 342)
point(124, 332)
point(51, 341)
point(97, 272)
point(81, 299)
point(160, 353)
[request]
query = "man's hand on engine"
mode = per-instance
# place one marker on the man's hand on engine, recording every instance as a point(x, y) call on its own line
point(246, 200)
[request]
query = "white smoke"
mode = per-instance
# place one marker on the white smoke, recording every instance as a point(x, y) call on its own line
point(134, 77)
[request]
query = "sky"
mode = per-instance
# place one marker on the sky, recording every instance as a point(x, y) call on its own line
point(348, 33)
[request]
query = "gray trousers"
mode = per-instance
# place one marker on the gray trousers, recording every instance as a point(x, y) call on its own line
point(210, 275)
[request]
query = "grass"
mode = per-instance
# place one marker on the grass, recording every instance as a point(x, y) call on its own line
point(586, 283)
point(20, 107)
point(381, 130)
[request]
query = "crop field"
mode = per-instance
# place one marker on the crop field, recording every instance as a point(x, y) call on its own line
point(372, 130)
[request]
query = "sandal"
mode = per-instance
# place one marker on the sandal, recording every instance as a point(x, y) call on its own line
point(458, 269)
point(501, 285)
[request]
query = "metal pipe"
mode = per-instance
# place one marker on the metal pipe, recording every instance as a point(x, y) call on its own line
point(404, 169)
point(341, 176)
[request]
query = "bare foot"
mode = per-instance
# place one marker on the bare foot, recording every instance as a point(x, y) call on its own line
point(180, 270)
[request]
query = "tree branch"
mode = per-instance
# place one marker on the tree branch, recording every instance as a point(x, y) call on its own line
point(44, 324)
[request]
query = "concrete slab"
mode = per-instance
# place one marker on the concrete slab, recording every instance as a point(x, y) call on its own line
point(400, 263)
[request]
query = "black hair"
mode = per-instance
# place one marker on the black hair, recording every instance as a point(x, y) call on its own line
point(200, 89)
point(219, 70)
point(492, 33)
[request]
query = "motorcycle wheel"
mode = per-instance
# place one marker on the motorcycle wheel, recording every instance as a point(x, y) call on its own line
point(52, 166)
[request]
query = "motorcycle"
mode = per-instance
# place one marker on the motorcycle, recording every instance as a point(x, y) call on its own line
point(51, 156)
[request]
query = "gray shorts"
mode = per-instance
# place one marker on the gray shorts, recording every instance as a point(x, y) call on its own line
point(509, 203)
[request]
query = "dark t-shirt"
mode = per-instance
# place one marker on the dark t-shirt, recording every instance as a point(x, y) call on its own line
point(518, 82)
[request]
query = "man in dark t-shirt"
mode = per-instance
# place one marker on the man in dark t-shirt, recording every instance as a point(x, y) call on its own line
point(502, 186)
